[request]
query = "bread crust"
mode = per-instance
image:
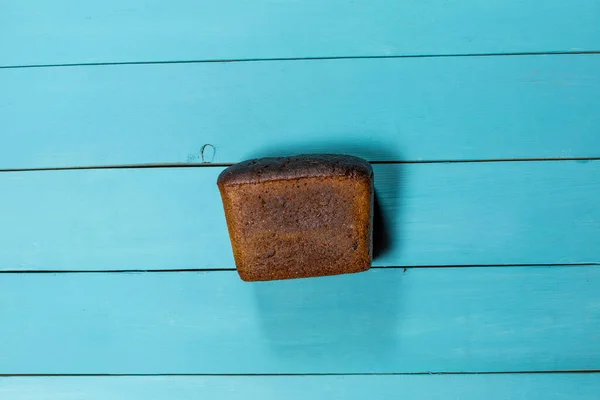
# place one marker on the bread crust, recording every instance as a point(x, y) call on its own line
point(298, 217)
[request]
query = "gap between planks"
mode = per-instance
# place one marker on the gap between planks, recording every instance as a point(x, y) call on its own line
point(267, 59)
point(221, 165)
point(194, 270)
point(591, 371)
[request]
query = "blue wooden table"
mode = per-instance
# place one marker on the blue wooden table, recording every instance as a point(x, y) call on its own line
point(481, 120)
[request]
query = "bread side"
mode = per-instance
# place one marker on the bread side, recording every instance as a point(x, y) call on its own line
point(300, 227)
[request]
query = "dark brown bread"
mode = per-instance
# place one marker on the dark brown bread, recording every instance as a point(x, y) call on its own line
point(302, 216)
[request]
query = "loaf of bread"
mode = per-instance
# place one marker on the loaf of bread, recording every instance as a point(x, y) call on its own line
point(297, 217)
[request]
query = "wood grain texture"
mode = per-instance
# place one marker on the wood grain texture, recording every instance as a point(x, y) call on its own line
point(70, 31)
point(464, 387)
point(464, 108)
point(383, 320)
point(428, 214)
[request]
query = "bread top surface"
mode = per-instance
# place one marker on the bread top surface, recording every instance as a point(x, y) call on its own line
point(295, 167)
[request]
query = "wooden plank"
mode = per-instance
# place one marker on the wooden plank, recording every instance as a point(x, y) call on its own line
point(379, 109)
point(71, 31)
point(429, 214)
point(494, 319)
point(576, 386)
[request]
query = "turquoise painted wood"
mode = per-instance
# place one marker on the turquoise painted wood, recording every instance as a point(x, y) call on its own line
point(380, 321)
point(379, 109)
point(464, 387)
point(514, 245)
point(41, 32)
point(430, 214)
